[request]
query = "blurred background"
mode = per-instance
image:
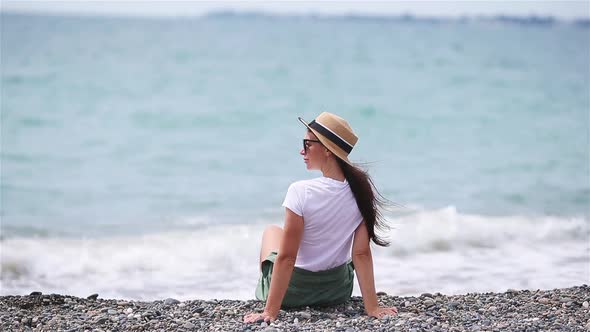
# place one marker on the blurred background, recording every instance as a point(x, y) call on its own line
point(145, 145)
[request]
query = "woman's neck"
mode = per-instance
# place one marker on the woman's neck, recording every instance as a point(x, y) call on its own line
point(331, 170)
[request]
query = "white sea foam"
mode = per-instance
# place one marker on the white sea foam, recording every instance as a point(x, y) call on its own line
point(447, 230)
point(434, 251)
point(445, 251)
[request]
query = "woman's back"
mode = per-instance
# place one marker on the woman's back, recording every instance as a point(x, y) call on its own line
point(327, 220)
point(330, 215)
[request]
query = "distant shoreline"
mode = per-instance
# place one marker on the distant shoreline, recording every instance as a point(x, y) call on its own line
point(556, 309)
point(513, 19)
point(530, 20)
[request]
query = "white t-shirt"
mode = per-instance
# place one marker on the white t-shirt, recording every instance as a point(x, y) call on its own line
point(330, 216)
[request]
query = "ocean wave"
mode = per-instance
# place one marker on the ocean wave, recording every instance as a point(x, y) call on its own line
point(220, 261)
point(143, 266)
point(446, 229)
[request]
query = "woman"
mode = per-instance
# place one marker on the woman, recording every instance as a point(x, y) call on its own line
point(328, 225)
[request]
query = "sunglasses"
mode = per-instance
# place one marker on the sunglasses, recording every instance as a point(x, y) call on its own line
point(306, 143)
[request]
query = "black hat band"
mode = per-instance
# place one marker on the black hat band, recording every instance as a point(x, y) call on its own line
point(331, 136)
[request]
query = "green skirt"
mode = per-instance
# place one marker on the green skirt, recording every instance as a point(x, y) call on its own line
point(307, 288)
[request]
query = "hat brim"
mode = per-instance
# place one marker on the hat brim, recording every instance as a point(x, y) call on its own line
point(338, 152)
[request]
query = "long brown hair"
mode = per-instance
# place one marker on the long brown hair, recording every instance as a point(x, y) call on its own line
point(369, 200)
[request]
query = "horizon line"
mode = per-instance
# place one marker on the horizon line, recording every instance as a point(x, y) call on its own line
point(311, 14)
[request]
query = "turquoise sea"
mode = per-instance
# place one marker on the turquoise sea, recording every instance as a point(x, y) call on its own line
point(141, 158)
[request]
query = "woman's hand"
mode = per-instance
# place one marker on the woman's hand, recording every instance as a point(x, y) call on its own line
point(382, 312)
point(259, 317)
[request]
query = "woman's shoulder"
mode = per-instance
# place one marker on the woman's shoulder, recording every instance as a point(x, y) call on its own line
point(298, 192)
point(305, 183)
point(302, 186)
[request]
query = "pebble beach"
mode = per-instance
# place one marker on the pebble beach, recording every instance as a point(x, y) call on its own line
point(564, 309)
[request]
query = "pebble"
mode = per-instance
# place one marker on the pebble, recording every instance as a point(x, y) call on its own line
point(101, 320)
point(92, 297)
point(514, 311)
point(171, 301)
point(453, 304)
point(428, 303)
point(305, 315)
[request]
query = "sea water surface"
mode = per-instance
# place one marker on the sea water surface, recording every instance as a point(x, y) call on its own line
point(142, 158)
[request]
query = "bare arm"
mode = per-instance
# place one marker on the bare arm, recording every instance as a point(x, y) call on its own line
point(363, 264)
point(284, 263)
point(283, 268)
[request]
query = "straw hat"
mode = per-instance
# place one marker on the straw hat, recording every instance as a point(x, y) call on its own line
point(334, 133)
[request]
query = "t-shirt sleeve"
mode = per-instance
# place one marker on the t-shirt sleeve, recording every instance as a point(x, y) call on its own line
point(295, 198)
